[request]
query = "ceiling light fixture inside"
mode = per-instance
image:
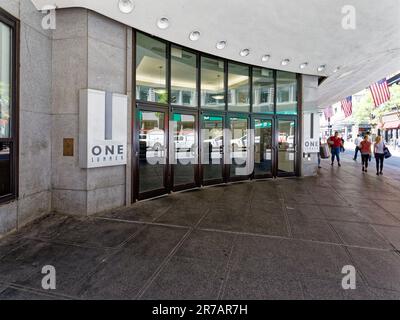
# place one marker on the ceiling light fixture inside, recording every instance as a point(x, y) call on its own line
point(321, 68)
point(285, 62)
point(194, 36)
point(126, 6)
point(218, 97)
point(163, 23)
point(265, 58)
point(245, 52)
point(336, 69)
point(221, 45)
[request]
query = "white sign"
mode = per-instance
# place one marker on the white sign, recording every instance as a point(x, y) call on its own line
point(311, 146)
point(102, 129)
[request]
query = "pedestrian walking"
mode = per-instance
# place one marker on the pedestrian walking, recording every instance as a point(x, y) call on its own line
point(379, 152)
point(319, 154)
point(357, 142)
point(342, 146)
point(365, 149)
point(335, 142)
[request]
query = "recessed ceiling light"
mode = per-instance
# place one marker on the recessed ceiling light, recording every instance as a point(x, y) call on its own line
point(194, 36)
point(126, 6)
point(163, 23)
point(321, 68)
point(336, 69)
point(265, 58)
point(285, 62)
point(304, 65)
point(245, 52)
point(221, 44)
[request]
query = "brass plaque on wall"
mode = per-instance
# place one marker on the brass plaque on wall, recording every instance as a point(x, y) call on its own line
point(68, 147)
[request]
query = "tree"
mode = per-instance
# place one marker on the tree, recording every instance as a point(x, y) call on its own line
point(365, 111)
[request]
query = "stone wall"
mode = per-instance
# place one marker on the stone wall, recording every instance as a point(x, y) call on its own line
point(86, 50)
point(35, 119)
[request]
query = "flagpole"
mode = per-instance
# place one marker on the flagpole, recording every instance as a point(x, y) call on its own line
point(329, 126)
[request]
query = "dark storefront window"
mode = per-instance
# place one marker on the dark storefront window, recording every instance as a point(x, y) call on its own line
point(151, 69)
point(7, 110)
point(286, 93)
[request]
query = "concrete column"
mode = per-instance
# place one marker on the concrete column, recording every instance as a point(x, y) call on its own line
point(90, 51)
point(309, 165)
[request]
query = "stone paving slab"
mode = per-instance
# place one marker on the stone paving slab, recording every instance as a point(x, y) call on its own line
point(270, 239)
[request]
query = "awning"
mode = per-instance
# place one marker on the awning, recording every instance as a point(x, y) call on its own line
point(392, 124)
point(394, 80)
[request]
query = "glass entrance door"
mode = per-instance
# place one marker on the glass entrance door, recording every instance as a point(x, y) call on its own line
point(287, 146)
point(151, 152)
point(212, 149)
point(239, 144)
point(184, 154)
point(263, 148)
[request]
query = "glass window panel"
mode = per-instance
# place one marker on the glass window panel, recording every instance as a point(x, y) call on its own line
point(286, 93)
point(152, 154)
point(151, 69)
point(213, 147)
point(212, 84)
point(263, 147)
point(287, 146)
point(239, 145)
point(238, 87)
point(263, 90)
point(5, 81)
point(185, 148)
point(183, 78)
point(5, 168)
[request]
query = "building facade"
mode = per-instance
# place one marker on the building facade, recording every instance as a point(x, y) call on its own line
point(96, 115)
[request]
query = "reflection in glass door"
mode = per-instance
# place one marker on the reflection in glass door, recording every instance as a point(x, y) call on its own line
point(184, 154)
point(286, 147)
point(212, 155)
point(152, 153)
point(263, 148)
point(239, 146)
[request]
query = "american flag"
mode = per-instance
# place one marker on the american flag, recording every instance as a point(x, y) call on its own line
point(380, 92)
point(347, 106)
point(328, 112)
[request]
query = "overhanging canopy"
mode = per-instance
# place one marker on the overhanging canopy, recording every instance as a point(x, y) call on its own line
point(300, 30)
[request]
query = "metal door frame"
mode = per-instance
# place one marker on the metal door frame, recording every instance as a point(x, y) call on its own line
point(196, 183)
point(166, 174)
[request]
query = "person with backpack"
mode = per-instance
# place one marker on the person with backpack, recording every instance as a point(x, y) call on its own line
point(335, 142)
point(379, 152)
point(342, 146)
point(365, 149)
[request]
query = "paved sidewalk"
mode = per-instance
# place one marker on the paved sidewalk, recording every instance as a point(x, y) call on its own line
point(274, 239)
point(391, 165)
